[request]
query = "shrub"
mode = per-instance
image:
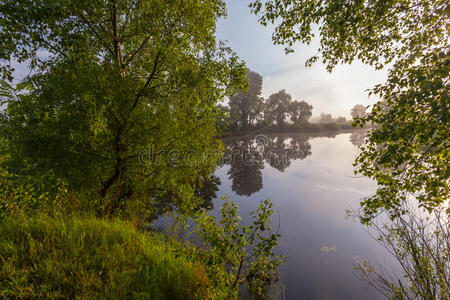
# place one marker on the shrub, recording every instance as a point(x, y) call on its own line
point(246, 253)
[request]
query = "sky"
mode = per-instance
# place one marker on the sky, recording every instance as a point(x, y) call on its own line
point(334, 93)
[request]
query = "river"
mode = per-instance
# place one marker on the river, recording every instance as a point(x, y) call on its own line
point(310, 180)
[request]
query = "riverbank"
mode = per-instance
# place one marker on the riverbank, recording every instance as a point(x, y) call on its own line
point(70, 257)
point(322, 128)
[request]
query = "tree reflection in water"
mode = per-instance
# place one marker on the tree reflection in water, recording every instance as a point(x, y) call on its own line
point(248, 155)
point(357, 137)
point(207, 190)
point(246, 161)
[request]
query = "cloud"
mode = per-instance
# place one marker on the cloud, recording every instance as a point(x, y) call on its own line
point(334, 93)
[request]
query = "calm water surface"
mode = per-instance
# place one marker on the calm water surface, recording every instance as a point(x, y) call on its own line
point(310, 180)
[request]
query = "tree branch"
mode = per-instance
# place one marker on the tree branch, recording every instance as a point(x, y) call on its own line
point(105, 44)
point(129, 58)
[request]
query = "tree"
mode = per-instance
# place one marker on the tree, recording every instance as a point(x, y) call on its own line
point(300, 112)
point(407, 153)
point(325, 118)
point(117, 86)
point(223, 118)
point(359, 111)
point(277, 108)
point(341, 120)
point(246, 107)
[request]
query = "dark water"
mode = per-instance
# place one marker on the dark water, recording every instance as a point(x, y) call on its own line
point(310, 180)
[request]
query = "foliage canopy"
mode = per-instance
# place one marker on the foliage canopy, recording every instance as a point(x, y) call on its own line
point(115, 86)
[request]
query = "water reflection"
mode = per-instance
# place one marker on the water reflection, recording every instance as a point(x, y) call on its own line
point(309, 179)
point(357, 137)
point(248, 155)
point(245, 158)
point(206, 188)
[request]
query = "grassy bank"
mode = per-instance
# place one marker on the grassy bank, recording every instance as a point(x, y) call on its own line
point(90, 258)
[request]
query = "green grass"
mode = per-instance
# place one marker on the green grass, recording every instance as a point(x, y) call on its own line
point(89, 258)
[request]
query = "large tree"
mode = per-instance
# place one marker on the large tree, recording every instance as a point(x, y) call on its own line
point(277, 108)
point(280, 106)
point(407, 152)
point(246, 107)
point(300, 112)
point(116, 87)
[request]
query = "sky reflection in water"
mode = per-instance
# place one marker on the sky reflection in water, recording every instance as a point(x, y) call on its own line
point(311, 187)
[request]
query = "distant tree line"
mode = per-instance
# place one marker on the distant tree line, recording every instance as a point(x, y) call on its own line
point(249, 110)
point(358, 111)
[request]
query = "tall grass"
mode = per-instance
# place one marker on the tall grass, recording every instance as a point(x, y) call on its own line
point(90, 258)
